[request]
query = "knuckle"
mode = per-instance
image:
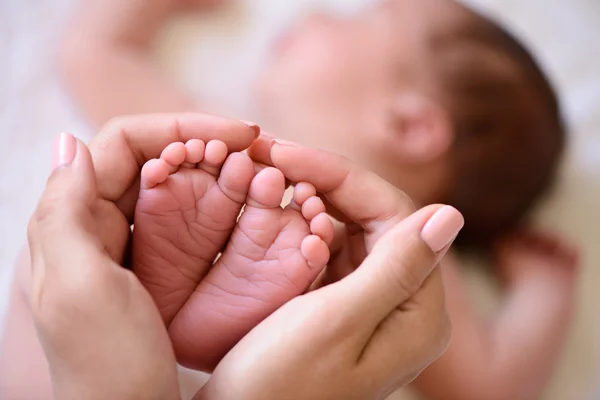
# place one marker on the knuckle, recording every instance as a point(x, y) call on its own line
point(59, 203)
point(411, 264)
point(405, 278)
point(115, 124)
point(46, 208)
point(49, 207)
point(57, 299)
point(53, 211)
point(51, 317)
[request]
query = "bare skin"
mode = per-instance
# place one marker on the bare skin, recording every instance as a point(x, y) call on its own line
point(190, 199)
point(521, 340)
point(119, 152)
point(339, 86)
point(390, 314)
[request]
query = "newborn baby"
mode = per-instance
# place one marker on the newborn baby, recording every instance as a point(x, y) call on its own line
point(186, 215)
point(438, 100)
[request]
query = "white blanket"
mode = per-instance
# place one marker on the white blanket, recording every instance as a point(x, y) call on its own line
point(33, 108)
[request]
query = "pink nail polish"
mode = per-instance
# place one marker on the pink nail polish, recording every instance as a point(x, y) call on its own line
point(442, 228)
point(63, 150)
point(252, 126)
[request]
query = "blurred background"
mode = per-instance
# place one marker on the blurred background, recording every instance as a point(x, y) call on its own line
point(34, 106)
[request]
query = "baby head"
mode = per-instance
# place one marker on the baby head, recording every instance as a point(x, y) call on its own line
point(438, 100)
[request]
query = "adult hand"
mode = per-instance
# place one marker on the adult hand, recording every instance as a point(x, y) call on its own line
point(99, 328)
point(368, 334)
point(123, 146)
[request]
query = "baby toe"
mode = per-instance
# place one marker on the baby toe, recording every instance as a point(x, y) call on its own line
point(267, 189)
point(174, 156)
point(304, 191)
point(312, 207)
point(315, 251)
point(236, 177)
point(154, 172)
point(215, 154)
point(322, 226)
point(194, 151)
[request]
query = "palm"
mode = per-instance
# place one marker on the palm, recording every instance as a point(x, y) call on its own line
point(130, 299)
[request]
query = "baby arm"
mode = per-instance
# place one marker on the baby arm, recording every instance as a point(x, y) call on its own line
point(513, 355)
point(107, 63)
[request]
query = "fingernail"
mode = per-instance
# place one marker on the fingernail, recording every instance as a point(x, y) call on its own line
point(286, 143)
point(63, 150)
point(442, 228)
point(252, 126)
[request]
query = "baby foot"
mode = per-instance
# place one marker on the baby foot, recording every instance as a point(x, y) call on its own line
point(273, 255)
point(189, 202)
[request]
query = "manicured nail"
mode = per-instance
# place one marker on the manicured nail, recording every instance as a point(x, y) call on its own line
point(63, 150)
point(442, 228)
point(252, 126)
point(286, 143)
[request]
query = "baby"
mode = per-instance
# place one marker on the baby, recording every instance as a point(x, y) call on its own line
point(186, 214)
point(436, 99)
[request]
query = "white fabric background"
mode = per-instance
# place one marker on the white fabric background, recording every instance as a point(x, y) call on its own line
point(211, 55)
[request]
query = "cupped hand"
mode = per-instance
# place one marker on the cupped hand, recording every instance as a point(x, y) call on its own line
point(366, 205)
point(100, 330)
point(89, 311)
point(369, 333)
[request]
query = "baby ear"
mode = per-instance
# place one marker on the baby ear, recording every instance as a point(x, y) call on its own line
point(422, 129)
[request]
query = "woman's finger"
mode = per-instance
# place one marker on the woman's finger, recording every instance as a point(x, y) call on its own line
point(399, 264)
point(362, 196)
point(122, 147)
point(415, 335)
point(69, 259)
point(386, 321)
point(88, 311)
point(394, 302)
point(66, 253)
point(62, 221)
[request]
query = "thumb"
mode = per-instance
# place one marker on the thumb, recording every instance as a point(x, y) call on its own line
point(61, 232)
point(89, 312)
point(400, 263)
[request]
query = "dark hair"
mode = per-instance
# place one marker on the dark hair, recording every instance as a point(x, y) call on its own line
point(508, 127)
